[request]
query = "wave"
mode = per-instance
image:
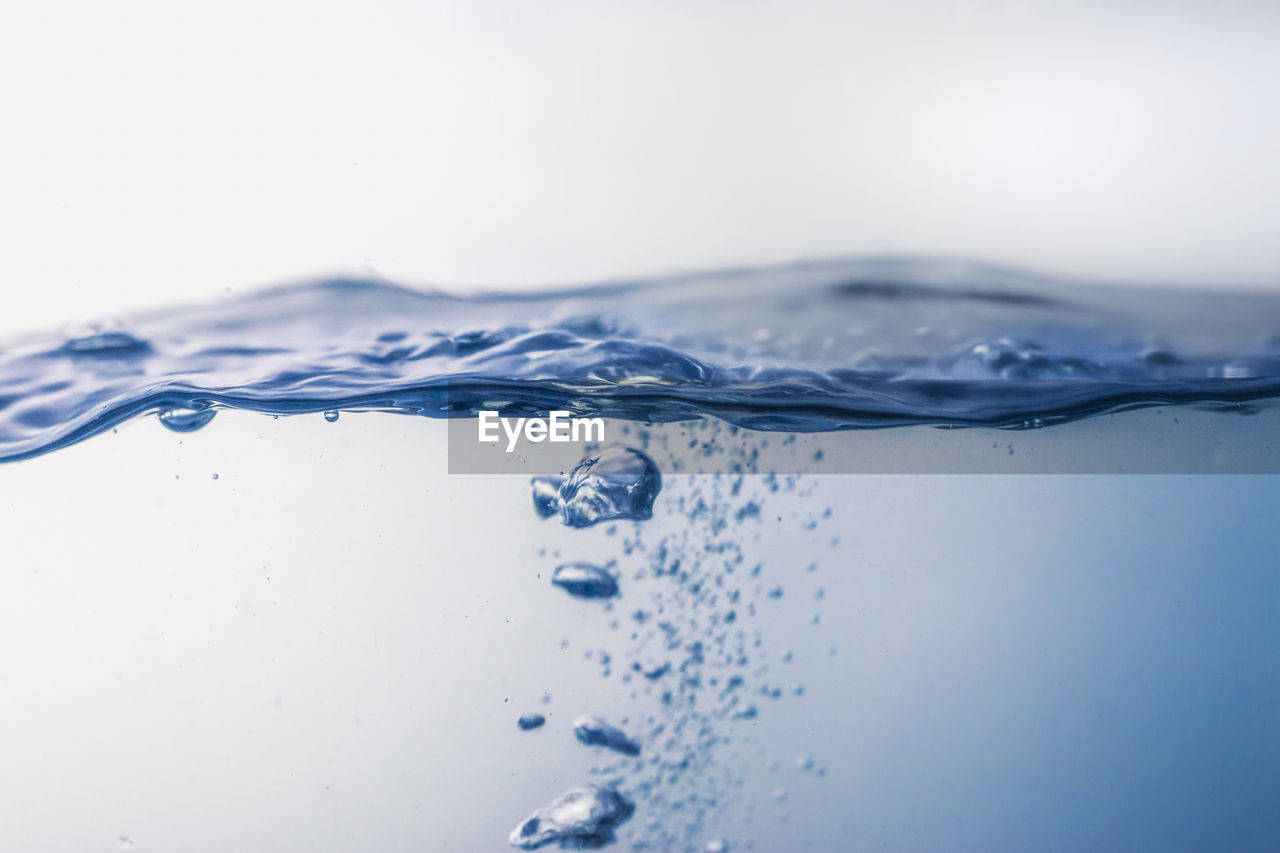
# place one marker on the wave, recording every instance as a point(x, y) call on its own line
point(831, 345)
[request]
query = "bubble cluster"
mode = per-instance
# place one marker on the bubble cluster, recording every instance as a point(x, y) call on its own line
point(695, 666)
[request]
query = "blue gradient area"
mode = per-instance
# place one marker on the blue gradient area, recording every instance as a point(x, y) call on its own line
point(805, 347)
point(1060, 664)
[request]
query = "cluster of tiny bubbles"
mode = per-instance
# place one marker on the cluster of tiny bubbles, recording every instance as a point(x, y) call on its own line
point(692, 658)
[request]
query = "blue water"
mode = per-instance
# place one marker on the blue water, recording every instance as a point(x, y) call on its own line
point(323, 643)
point(818, 346)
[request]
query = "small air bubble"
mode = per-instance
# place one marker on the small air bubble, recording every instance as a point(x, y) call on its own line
point(186, 419)
point(330, 416)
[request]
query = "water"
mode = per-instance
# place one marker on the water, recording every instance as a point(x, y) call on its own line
point(304, 634)
point(820, 346)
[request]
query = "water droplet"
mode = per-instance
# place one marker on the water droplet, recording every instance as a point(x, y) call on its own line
point(594, 731)
point(716, 845)
point(584, 580)
point(331, 416)
point(215, 476)
point(187, 419)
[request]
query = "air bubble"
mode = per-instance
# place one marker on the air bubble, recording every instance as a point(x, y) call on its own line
point(187, 419)
point(594, 731)
point(580, 817)
point(584, 580)
point(618, 483)
point(530, 721)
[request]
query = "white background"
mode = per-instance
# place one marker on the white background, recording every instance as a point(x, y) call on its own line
point(157, 151)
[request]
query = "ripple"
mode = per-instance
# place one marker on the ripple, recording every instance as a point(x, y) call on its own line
point(832, 345)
